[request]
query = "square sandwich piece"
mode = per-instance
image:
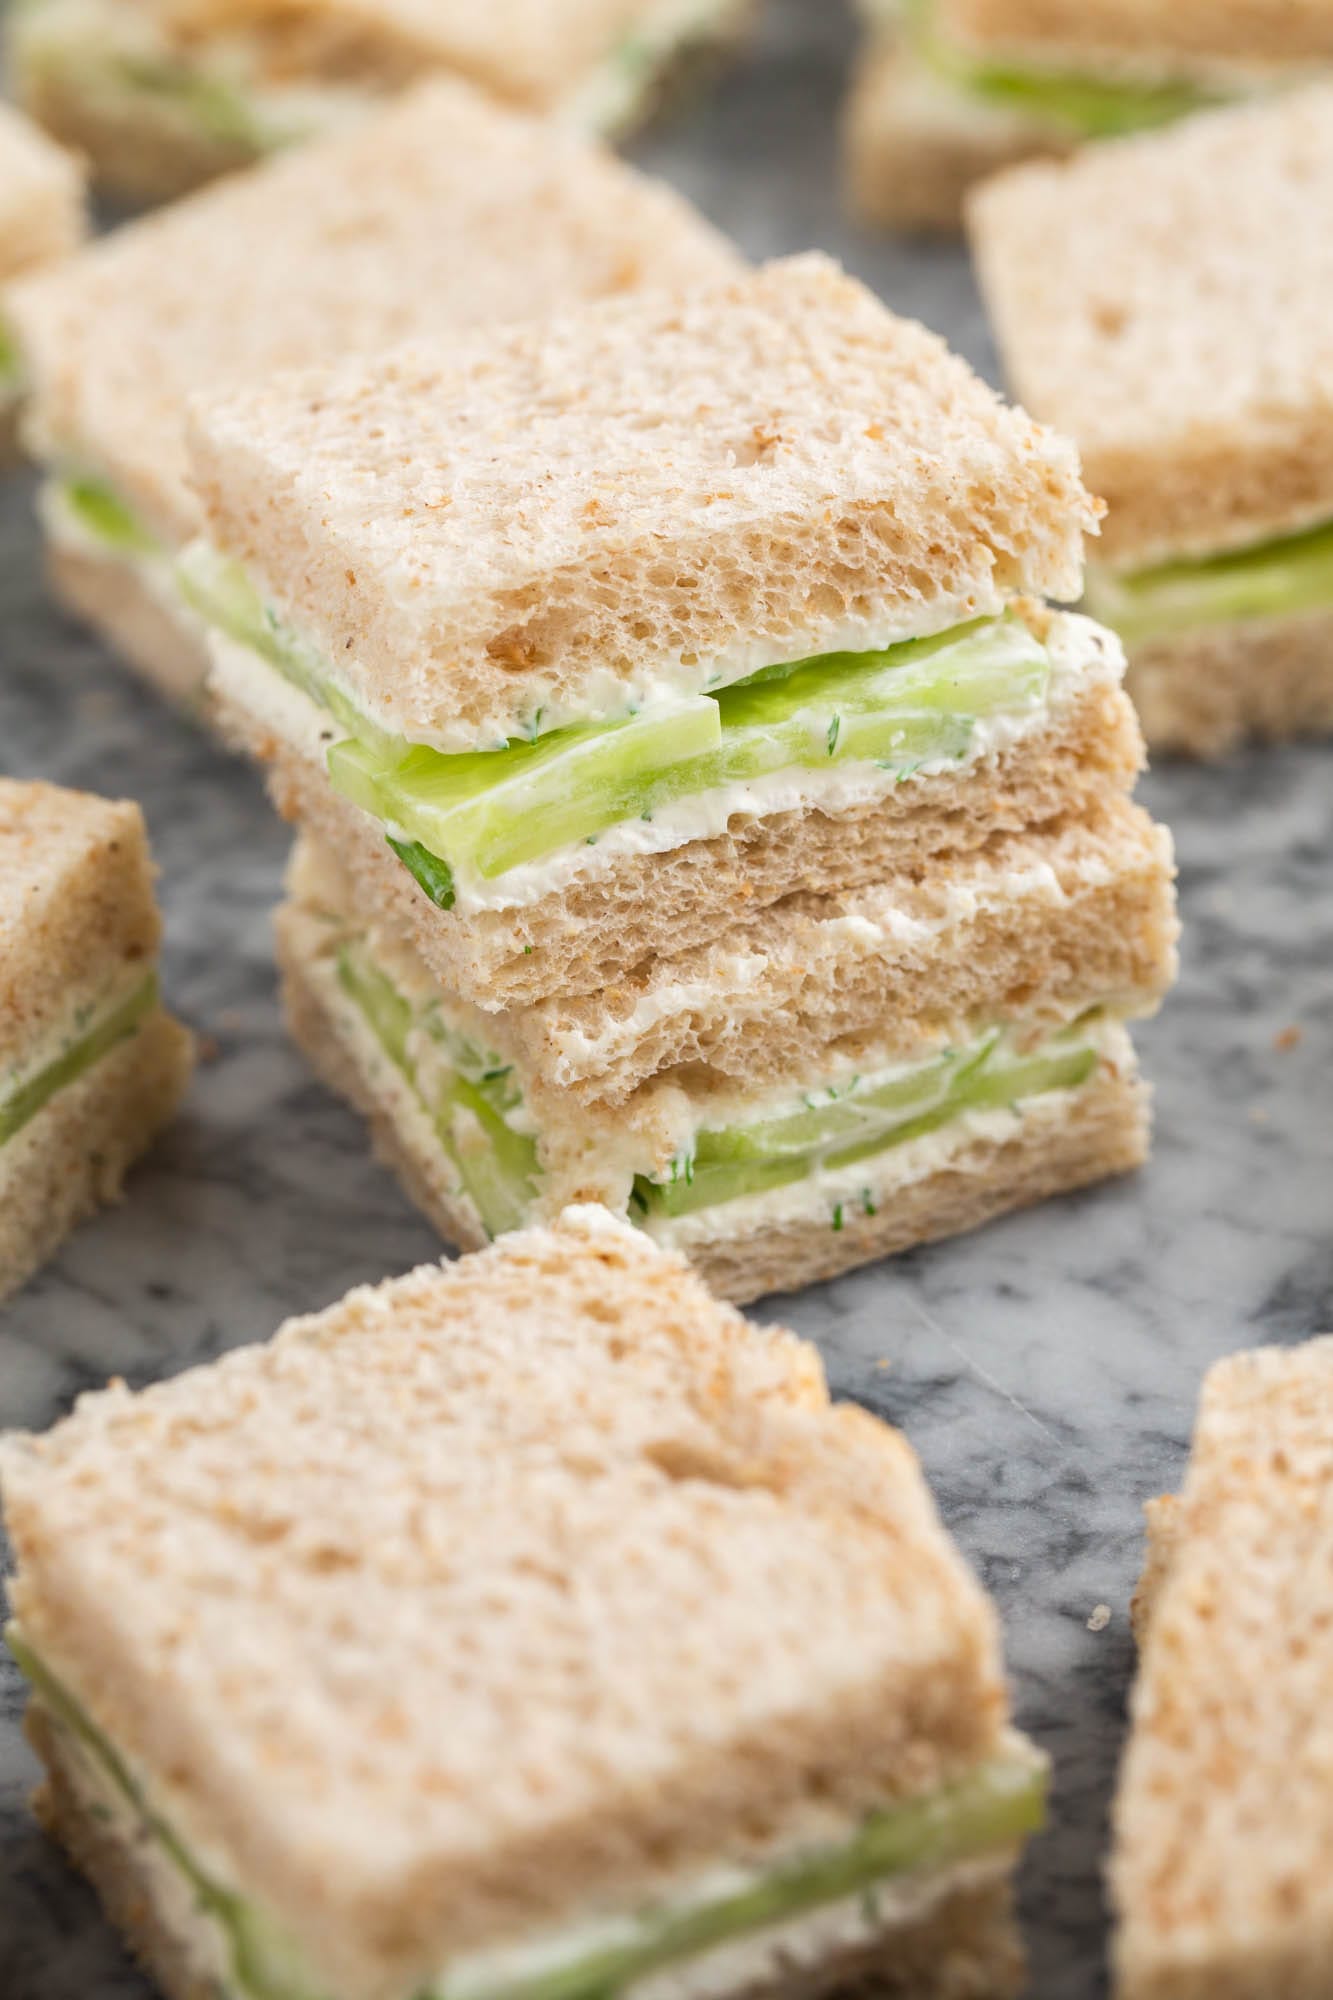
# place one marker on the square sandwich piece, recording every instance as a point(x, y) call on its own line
point(91, 1067)
point(952, 90)
point(347, 245)
point(163, 94)
point(1165, 302)
point(525, 1628)
point(41, 220)
point(1224, 1819)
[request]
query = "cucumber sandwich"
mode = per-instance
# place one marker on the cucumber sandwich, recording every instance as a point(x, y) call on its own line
point(531, 1628)
point(722, 824)
point(91, 1067)
point(949, 91)
point(161, 95)
point(41, 221)
point(351, 242)
point(1165, 303)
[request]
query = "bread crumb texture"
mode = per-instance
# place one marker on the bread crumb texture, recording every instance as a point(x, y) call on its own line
point(778, 461)
point(41, 196)
point(1207, 31)
point(1164, 301)
point(499, 1589)
point(76, 904)
point(1224, 1820)
point(442, 211)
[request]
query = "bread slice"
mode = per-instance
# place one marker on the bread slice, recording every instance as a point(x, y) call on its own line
point(121, 602)
point(802, 1006)
point(1189, 35)
point(91, 1067)
point(1205, 693)
point(160, 98)
point(562, 512)
point(1163, 301)
point(644, 1606)
point(41, 198)
point(914, 142)
point(1224, 1818)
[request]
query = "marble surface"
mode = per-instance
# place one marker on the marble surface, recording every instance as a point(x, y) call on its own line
point(1045, 1369)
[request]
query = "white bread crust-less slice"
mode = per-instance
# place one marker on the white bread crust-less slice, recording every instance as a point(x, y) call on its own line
point(76, 904)
point(1164, 301)
point(1224, 1819)
point(1164, 39)
point(41, 197)
point(779, 462)
point(443, 210)
point(645, 1596)
point(1205, 692)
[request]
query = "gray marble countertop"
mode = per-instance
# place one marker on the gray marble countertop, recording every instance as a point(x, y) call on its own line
point(1045, 1369)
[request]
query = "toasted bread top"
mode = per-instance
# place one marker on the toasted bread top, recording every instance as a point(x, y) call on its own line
point(442, 211)
point(1224, 1821)
point(76, 906)
point(1164, 300)
point(1159, 37)
point(774, 467)
point(41, 196)
point(497, 1594)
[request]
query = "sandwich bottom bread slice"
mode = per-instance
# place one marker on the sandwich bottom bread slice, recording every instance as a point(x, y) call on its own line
point(1223, 1822)
point(91, 1066)
point(837, 1079)
point(520, 1629)
point(41, 220)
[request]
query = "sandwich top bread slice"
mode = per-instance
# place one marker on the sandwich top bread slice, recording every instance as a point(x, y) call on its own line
point(41, 220)
point(1164, 302)
point(162, 94)
point(833, 1080)
point(527, 1627)
point(347, 245)
point(91, 1067)
point(1224, 1818)
point(609, 629)
point(952, 90)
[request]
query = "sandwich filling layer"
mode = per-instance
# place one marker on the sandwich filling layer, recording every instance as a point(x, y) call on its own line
point(1279, 578)
point(230, 92)
point(1073, 102)
point(832, 1148)
point(700, 1939)
point(92, 1031)
point(501, 825)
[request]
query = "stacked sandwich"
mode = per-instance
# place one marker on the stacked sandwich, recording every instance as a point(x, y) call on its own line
point(348, 244)
point(1165, 302)
point(91, 1067)
point(950, 90)
point(41, 220)
point(529, 1628)
point(163, 94)
point(703, 813)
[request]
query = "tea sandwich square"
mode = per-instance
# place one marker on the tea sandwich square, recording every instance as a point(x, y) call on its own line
point(524, 1627)
point(719, 832)
point(349, 245)
point(1165, 302)
point(91, 1067)
point(162, 94)
point(949, 91)
point(1224, 1816)
point(41, 220)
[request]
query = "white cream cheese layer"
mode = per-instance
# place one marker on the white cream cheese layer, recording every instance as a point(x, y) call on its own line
point(153, 570)
point(1081, 652)
point(851, 1924)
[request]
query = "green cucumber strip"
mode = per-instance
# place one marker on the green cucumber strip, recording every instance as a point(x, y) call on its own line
point(25, 1102)
point(491, 811)
point(430, 872)
point(102, 513)
point(994, 1807)
point(734, 1161)
point(380, 1001)
point(1276, 579)
point(219, 110)
point(990, 1809)
point(11, 364)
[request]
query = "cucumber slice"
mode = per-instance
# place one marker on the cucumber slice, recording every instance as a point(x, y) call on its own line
point(102, 513)
point(734, 1161)
point(1277, 579)
point(380, 1001)
point(25, 1102)
point(11, 364)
